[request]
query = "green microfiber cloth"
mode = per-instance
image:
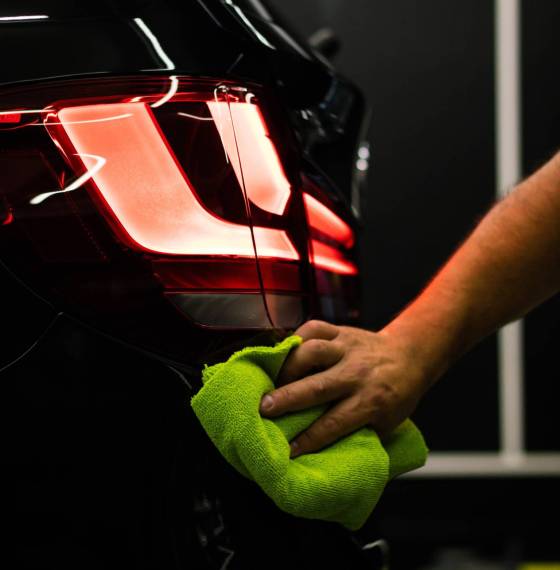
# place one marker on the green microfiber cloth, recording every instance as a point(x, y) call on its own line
point(341, 483)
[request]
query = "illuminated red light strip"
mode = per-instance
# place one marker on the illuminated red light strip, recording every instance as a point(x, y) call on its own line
point(149, 194)
point(266, 184)
point(329, 258)
point(10, 117)
point(326, 221)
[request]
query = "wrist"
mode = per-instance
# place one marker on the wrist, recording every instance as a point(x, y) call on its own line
point(430, 340)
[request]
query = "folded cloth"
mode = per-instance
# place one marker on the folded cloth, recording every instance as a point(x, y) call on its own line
point(341, 483)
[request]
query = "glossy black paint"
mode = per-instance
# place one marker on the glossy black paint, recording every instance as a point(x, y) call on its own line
point(106, 465)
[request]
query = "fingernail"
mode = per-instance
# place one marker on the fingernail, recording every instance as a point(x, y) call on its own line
point(266, 403)
point(294, 449)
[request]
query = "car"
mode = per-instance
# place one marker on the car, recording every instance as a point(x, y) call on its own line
point(178, 180)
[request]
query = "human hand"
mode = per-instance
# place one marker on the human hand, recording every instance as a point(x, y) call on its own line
point(371, 379)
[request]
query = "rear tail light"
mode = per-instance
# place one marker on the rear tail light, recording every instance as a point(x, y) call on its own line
point(114, 189)
point(161, 198)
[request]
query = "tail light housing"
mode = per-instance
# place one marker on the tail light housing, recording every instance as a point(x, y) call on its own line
point(140, 203)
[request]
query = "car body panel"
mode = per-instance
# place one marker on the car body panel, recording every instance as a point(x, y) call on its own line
point(107, 463)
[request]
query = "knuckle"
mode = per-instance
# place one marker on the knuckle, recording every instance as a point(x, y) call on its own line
point(306, 440)
point(320, 388)
point(284, 396)
point(317, 329)
point(317, 348)
point(306, 437)
point(331, 423)
point(384, 394)
point(338, 346)
point(387, 390)
point(362, 369)
point(311, 327)
point(358, 369)
point(322, 432)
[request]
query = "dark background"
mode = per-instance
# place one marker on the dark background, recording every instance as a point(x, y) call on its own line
point(427, 70)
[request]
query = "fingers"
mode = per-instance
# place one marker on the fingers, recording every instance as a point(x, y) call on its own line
point(342, 419)
point(317, 329)
point(311, 391)
point(312, 356)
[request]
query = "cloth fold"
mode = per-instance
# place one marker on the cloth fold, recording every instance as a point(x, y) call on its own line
point(341, 483)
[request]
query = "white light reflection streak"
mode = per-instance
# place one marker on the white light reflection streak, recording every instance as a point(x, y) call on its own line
point(77, 183)
point(195, 117)
point(170, 93)
point(248, 23)
point(23, 18)
point(155, 43)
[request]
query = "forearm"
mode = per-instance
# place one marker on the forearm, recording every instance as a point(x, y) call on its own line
point(509, 264)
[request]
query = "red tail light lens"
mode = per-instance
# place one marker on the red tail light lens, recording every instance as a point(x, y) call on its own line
point(261, 174)
point(140, 181)
point(122, 195)
point(324, 220)
point(329, 258)
point(330, 228)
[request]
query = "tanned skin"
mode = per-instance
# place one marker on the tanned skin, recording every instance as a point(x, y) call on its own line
point(506, 267)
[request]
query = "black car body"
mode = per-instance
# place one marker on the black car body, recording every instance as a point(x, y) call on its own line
point(115, 119)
